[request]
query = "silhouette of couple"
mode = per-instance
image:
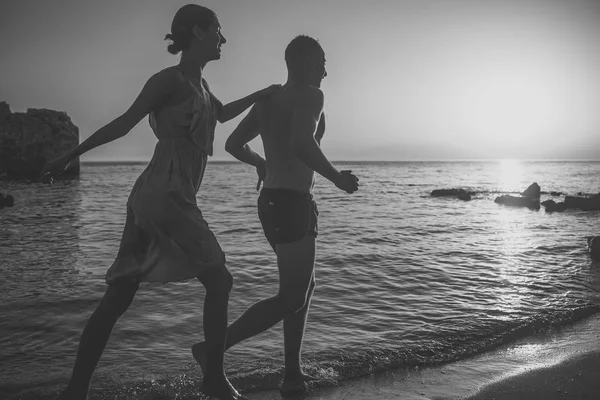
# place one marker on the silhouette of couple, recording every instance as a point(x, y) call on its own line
point(166, 238)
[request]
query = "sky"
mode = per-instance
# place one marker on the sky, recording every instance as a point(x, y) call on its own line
point(407, 79)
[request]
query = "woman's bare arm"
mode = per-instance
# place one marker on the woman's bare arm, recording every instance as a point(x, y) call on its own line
point(154, 93)
point(235, 108)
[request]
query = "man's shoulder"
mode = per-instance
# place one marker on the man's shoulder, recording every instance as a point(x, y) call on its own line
point(309, 93)
point(309, 96)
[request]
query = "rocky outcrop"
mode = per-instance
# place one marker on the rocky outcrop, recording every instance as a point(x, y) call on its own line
point(28, 140)
point(458, 193)
point(529, 198)
point(575, 203)
point(532, 192)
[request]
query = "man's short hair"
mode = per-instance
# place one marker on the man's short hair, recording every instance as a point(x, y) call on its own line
point(300, 49)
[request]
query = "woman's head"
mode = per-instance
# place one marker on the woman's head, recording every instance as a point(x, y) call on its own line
point(196, 27)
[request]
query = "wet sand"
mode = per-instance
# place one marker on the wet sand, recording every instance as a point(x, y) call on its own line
point(576, 378)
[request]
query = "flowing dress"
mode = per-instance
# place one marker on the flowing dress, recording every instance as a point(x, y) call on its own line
point(166, 238)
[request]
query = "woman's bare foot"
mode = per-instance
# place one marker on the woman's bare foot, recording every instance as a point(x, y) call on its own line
point(295, 383)
point(222, 390)
point(199, 353)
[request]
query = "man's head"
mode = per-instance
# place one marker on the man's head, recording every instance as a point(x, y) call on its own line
point(305, 60)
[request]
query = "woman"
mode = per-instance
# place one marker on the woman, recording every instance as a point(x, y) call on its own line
point(165, 238)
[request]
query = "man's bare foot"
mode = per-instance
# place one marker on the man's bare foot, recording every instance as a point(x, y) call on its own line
point(63, 396)
point(295, 383)
point(222, 390)
point(68, 395)
point(199, 353)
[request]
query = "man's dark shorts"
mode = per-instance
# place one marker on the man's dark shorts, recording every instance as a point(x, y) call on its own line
point(287, 215)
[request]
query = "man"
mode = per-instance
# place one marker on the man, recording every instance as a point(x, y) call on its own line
point(291, 125)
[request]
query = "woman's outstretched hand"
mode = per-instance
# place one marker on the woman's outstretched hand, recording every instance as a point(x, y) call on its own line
point(55, 167)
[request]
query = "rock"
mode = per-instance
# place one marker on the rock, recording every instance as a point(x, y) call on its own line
point(529, 198)
point(7, 201)
point(458, 193)
point(552, 206)
point(4, 111)
point(583, 203)
point(515, 201)
point(594, 247)
point(574, 202)
point(28, 140)
point(464, 196)
point(532, 192)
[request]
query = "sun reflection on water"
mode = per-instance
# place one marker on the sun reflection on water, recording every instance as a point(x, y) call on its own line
point(512, 290)
point(510, 175)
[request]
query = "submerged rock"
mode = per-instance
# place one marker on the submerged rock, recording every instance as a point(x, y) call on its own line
point(6, 201)
point(552, 206)
point(583, 203)
point(28, 140)
point(518, 201)
point(458, 193)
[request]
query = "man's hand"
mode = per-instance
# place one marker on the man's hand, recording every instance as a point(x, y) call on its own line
point(261, 171)
point(347, 181)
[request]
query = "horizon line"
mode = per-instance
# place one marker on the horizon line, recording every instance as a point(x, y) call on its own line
point(376, 161)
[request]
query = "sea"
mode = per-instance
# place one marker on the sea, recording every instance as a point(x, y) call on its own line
point(404, 279)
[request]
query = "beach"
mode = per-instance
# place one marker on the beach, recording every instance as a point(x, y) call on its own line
point(576, 378)
point(561, 364)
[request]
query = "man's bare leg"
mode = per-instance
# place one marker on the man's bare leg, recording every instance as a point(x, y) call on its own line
point(296, 266)
point(218, 285)
point(294, 379)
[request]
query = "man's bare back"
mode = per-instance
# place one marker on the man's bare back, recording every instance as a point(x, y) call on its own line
point(274, 116)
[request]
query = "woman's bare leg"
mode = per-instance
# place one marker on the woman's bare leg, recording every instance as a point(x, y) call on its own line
point(115, 302)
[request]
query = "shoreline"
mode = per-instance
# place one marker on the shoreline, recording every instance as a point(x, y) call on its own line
point(560, 364)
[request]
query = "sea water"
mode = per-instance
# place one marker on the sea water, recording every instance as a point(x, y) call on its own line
point(403, 279)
